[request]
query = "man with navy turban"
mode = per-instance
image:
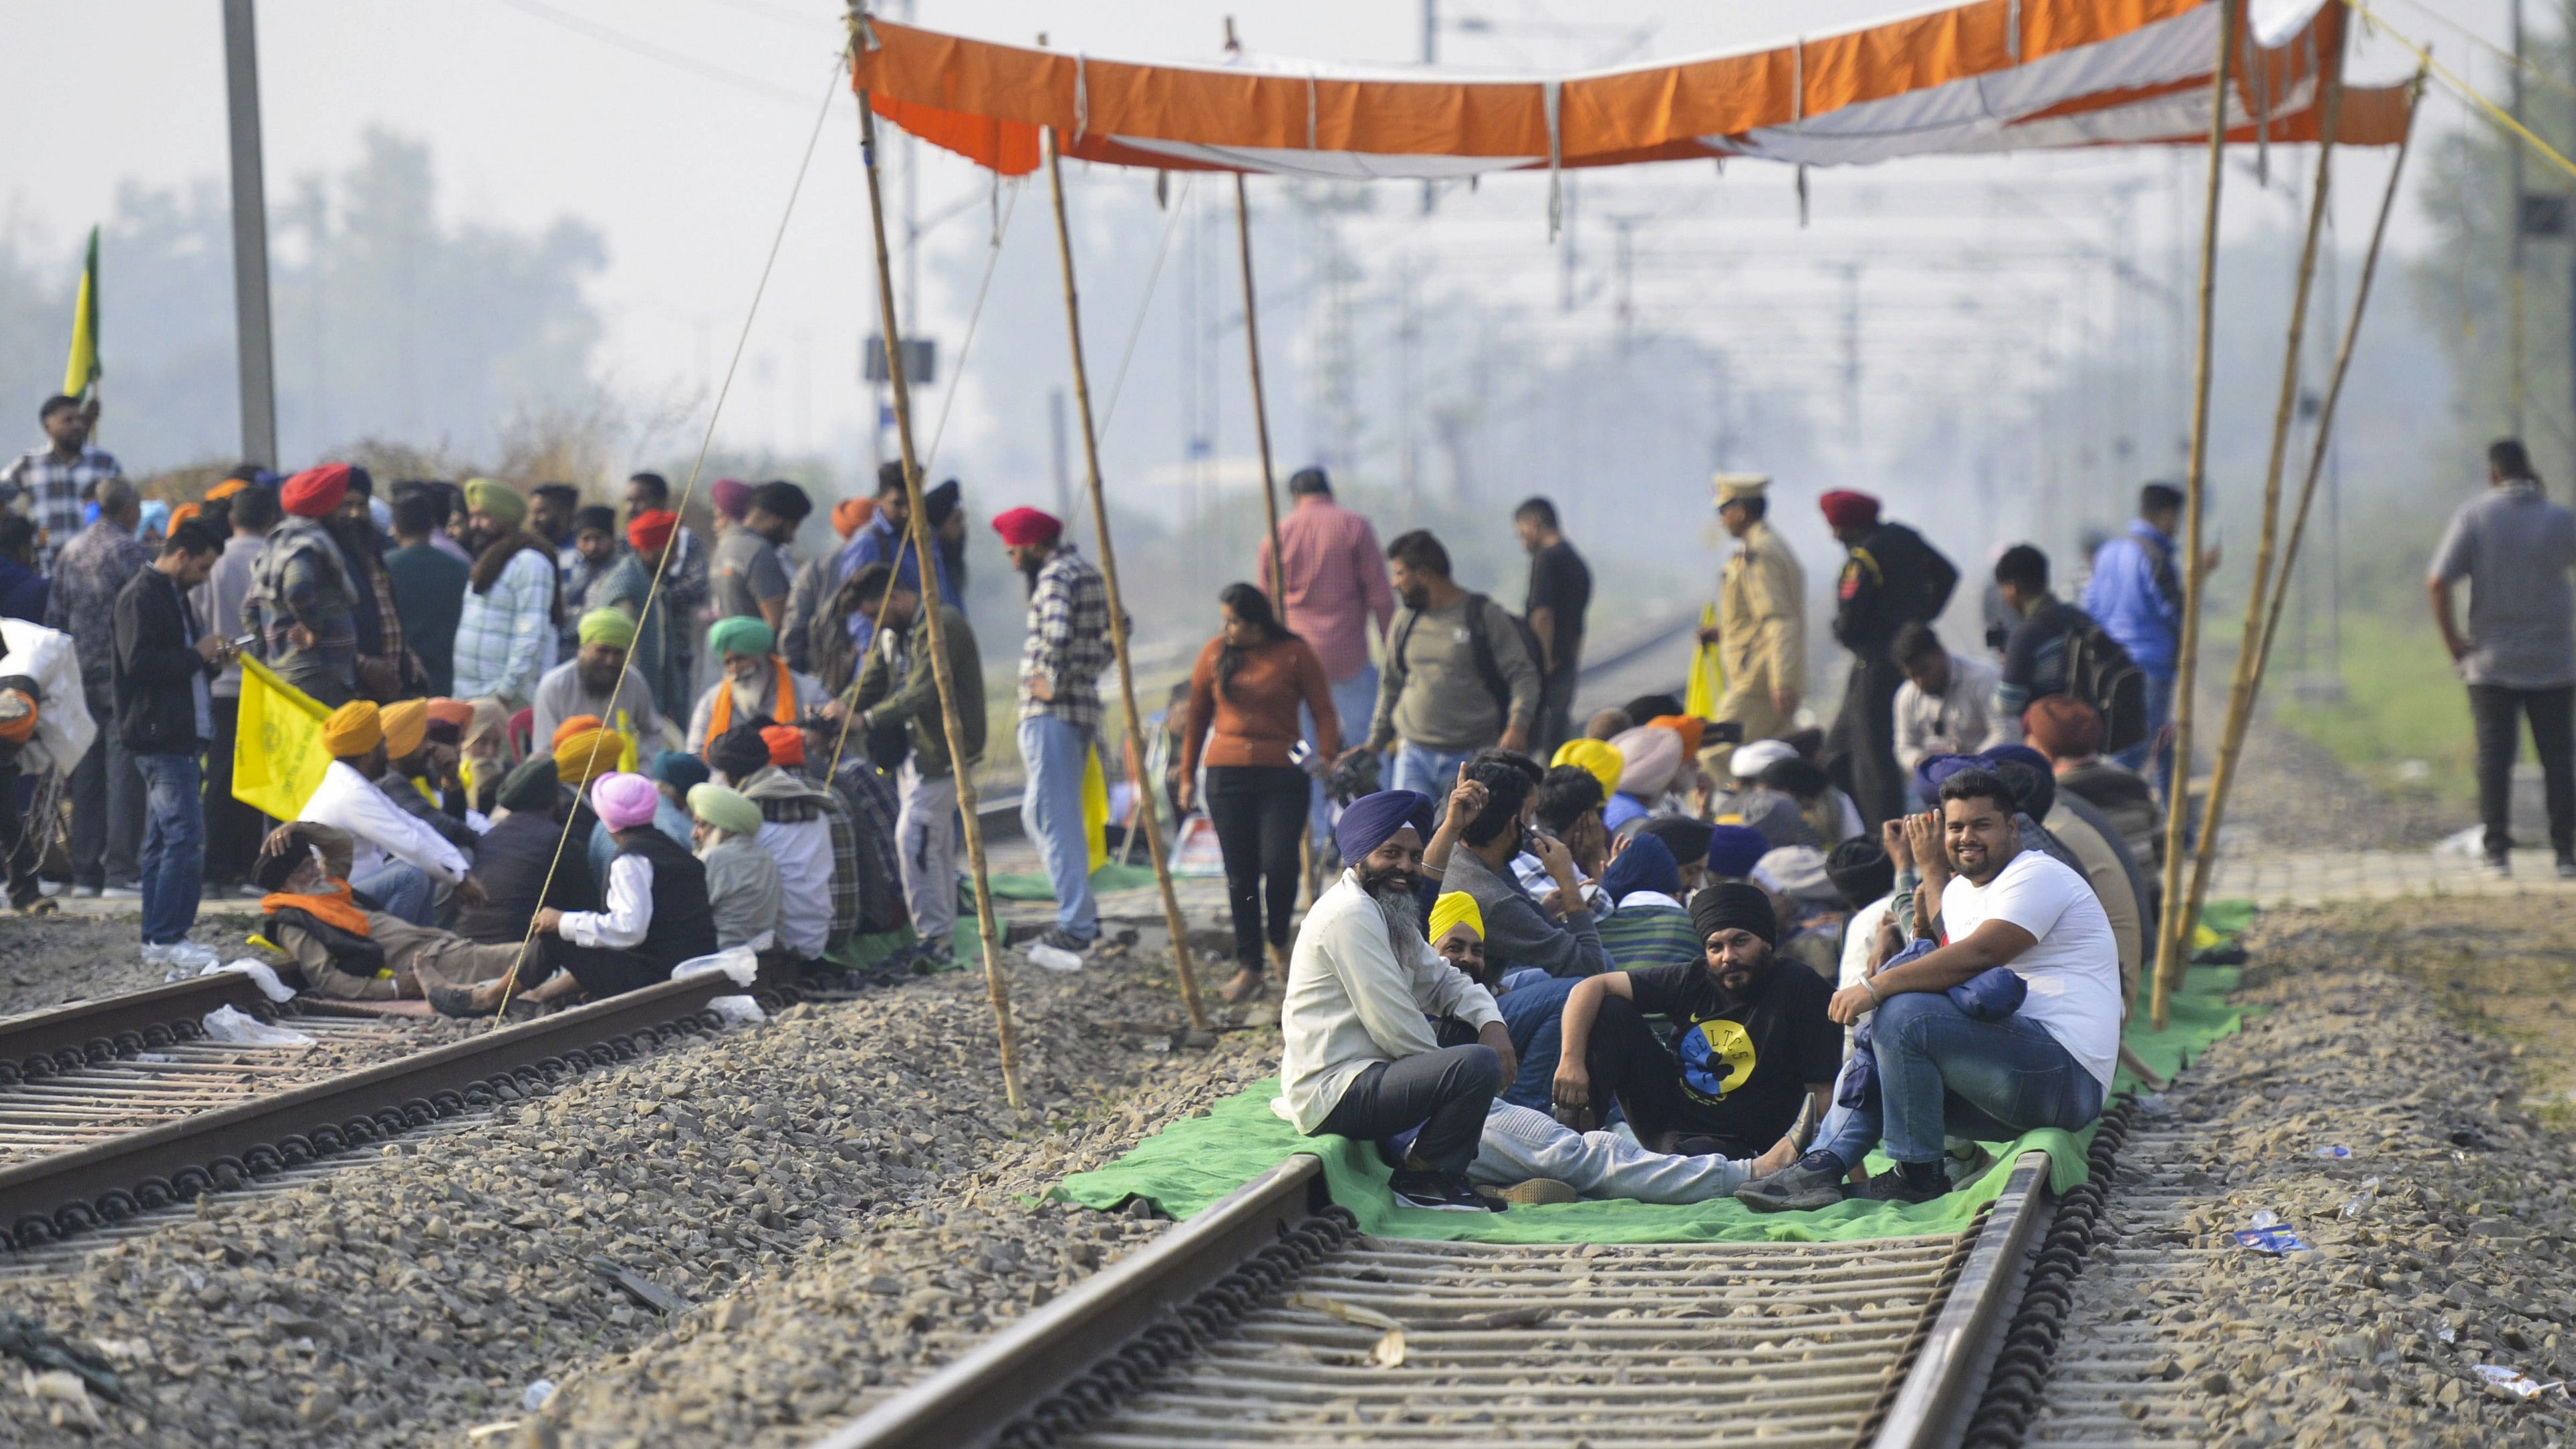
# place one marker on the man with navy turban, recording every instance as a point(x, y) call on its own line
point(1359, 1057)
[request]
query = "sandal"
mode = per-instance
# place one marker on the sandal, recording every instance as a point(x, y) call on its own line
point(1245, 986)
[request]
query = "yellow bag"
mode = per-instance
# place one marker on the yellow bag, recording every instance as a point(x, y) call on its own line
point(1095, 810)
point(1707, 675)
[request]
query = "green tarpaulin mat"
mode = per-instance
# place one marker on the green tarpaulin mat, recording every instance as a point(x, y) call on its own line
point(1190, 1164)
point(2228, 918)
point(1019, 885)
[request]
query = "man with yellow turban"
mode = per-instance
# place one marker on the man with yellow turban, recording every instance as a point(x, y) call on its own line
point(1599, 757)
point(395, 860)
point(757, 687)
point(1458, 933)
point(597, 682)
point(418, 774)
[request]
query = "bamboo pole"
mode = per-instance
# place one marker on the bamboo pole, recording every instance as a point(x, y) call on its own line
point(1260, 407)
point(1146, 815)
point(2249, 650)
point(2334, 385)
point(2173, 930)
point(996, 986)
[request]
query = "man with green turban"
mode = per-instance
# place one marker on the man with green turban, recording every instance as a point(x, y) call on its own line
point(597, 682)
point(756, 686)
point(742, 878)
point(505, 636)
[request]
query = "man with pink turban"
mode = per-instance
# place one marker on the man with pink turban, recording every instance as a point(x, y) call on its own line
point(657, 914)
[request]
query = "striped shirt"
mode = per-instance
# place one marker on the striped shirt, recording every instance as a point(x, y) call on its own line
point(1068, 641)
point(502, 638)
point(54, 489)
point(1649, 930)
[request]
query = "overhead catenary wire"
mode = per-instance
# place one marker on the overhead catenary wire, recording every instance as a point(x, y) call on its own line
point(706, 442)
point(608, 35)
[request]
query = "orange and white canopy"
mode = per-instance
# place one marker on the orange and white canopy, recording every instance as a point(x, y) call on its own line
point(1986, 76)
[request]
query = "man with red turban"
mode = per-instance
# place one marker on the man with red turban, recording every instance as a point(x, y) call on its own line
point(1892, 578)
point(303, 605)
point(1066, 648)
point(657, 654)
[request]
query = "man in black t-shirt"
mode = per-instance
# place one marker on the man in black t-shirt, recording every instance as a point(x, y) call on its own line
point(1752, 1038)
point(2035, 652)
point(1560, 589)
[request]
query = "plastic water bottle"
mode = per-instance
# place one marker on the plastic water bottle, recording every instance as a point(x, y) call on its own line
point(2360, 1202)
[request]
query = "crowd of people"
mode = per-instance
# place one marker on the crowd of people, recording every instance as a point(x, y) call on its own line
point(560, 751)
point(1667, 957)
point(1645, 953)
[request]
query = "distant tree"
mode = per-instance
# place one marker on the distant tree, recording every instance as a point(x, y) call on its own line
point(388, 322)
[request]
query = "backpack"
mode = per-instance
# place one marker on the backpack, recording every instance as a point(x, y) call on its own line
point(2100, 672)
point(1488, 668)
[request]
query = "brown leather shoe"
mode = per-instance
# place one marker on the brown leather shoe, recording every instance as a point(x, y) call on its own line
point(1245, 986)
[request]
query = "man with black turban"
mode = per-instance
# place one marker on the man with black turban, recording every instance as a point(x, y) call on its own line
point(1358, 1057)
point(1754, 1045)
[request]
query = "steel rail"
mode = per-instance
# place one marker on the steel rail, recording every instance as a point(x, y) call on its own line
point(61, 1039)
point(973, 1399)
point(107, 1182)
point(1909, 1377)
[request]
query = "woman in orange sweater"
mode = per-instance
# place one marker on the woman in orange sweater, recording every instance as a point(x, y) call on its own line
point(1245, 691)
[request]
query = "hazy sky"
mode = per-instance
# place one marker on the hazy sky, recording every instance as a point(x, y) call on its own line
point(675, 126)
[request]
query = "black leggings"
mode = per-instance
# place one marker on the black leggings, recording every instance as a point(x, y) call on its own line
point(1259, 812)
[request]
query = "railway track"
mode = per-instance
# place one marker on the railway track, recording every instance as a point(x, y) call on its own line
point(115, 1109)
point(1267, 1320)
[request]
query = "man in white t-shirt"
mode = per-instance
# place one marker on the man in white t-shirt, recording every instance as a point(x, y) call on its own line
point(1941, 1072)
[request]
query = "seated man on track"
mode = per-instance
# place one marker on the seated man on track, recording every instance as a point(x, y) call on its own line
point(396, 859)
point(1942, 1072)
point(526, 858)
point(1518, 932)
point(1358, 1057)
point(340, 944)
point(656, 914)
point(1524, 1156)
point(1754, 1047)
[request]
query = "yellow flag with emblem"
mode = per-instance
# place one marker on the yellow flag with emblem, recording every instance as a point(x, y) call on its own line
point(83, 367)
point(1707, 675)
point(278, 756)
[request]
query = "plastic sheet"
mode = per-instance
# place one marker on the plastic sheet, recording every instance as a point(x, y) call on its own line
point(232, 1027)
point(258, 971)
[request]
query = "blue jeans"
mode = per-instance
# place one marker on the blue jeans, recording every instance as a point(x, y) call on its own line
point(2160, 693)
point(1355, 700)
point(1943, 1073)
point(1433, 772)
point(1054, 754)
point(401, 890)
point(173, 863)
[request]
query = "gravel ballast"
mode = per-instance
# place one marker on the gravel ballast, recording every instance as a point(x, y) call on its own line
point(415, 1296)
point(2457, 1257)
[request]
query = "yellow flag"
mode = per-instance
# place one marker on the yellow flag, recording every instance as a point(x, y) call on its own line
point(83, 368)
point(278, 757)
point(1707, 675)
point(1095, 810)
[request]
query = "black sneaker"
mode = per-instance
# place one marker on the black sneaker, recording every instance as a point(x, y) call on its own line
point(2567, 867)
point(1441, 1192)
point(1898, 1185)
point(1813, 1181)
point(2500, 864)
point(1063, 940)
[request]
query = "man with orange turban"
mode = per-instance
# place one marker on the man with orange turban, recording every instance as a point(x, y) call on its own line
point(397, 862)
point(809, 594)
point(419, 774)
point(648, 591)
